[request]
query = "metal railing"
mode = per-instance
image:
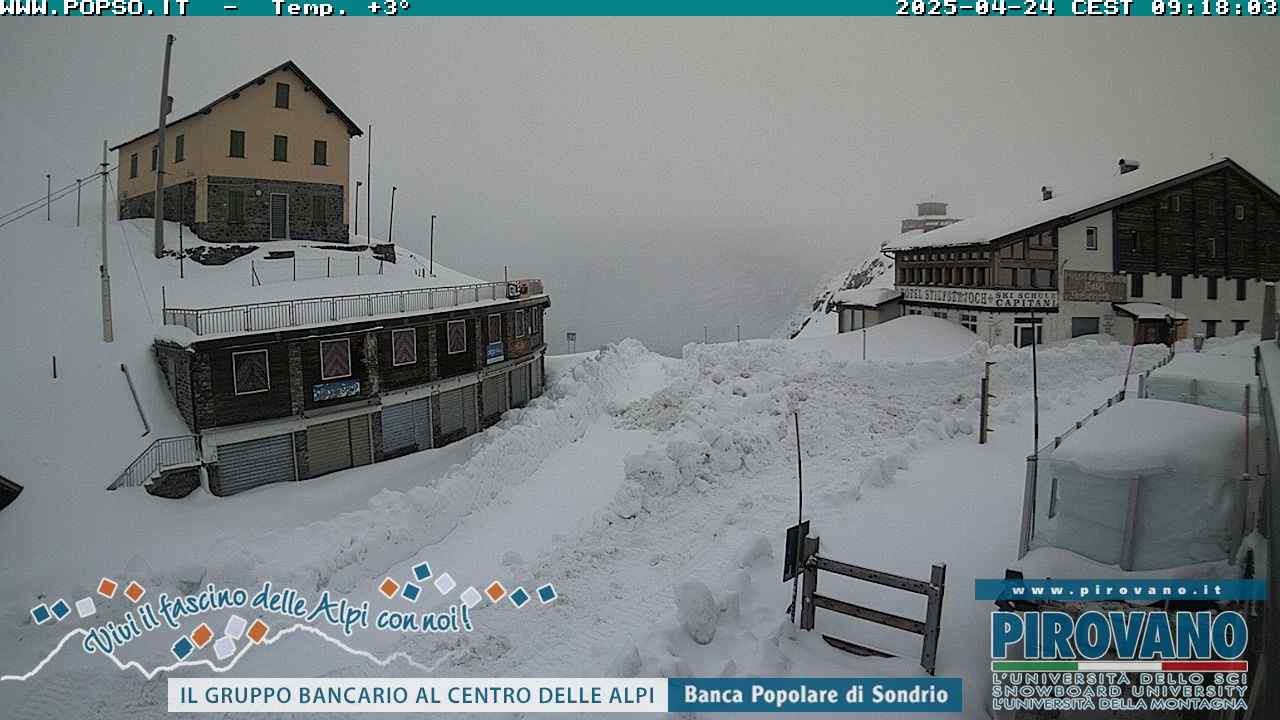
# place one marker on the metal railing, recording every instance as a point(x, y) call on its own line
point(160, 454)
point(272, 315)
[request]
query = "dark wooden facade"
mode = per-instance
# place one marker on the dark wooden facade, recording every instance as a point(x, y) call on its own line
point(201, 377)
point(1222, 223)
point(1024, 261)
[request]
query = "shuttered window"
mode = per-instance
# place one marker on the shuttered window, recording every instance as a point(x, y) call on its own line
point(282, 95)
point(180, 148)
point(320, 153)
point(404, 347)
point(457, 336)
point(495, 327)
point(237, 144)
point(280, 149)
point(235, 206)
point(250, 371)
point(133, 165)
point(335, 359)
point(520, 323)
point(535, 320)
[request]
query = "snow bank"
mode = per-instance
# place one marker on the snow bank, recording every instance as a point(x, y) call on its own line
point(910, 337)
point(1210, 379)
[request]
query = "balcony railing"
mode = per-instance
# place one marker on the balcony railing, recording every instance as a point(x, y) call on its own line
point(253, 317)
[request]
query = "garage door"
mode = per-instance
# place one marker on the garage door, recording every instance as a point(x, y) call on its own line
point(406, 427)
point(338, 445)
point(495, 395)
point(520, 386)
point(249, 464)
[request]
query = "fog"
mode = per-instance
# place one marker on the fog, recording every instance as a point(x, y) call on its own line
point(666, 175)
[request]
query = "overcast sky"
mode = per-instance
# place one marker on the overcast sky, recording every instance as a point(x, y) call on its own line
point(796, 142)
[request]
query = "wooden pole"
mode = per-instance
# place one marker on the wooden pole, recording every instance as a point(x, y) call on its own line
point(48, 196)
point(107, 333)
point(164, 112)
point(795, 581)
point(431, 251)
point(78, 181)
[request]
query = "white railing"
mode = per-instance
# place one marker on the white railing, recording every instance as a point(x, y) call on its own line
point(252, 317)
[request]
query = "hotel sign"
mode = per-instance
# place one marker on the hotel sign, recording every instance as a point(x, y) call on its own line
point(983, 297)
point(1090, 286)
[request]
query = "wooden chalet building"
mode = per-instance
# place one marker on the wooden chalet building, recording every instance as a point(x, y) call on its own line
point(292, 389)
point(1145, 257)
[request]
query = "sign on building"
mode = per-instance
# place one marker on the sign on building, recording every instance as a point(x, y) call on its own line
point(983, 297)
point(493, 353)
point(1089, 286)
point(321, 392)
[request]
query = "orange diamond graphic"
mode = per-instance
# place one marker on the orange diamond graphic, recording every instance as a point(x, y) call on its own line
point(201, 635)
point(107, 587)
point(389, 588)
point(495, 591)
point(135, 591)
point(257, 631)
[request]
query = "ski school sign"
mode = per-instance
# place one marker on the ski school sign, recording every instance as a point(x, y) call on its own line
point(983, 297)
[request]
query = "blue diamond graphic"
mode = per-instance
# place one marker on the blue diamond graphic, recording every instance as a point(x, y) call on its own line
point(40, 614)
point(547, 593)
point(422, 571)
point(410, 592)
point(182, 648)
point(61, 609)
point(519, 597)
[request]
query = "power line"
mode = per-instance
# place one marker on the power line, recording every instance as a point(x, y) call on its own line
point(28, 208)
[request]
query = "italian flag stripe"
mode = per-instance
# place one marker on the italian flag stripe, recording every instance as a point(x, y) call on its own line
point(1119, 666)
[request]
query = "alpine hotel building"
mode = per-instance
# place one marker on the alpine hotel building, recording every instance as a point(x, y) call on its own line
point(1145, 257)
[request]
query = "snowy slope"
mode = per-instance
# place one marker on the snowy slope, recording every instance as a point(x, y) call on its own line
point(873, 271)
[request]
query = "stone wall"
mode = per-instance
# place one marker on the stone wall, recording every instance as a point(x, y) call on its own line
point(256, 226)
point(179, 201)
point(175, 483)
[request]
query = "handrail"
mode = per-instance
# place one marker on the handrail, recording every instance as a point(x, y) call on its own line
point(273, 314)
point(160, 454)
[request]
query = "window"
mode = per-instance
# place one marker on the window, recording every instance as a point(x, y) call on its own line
point(280, 149)
point(1135, 242)
point(1211, 248)
point(319, 210)
point(250, 372)
point(282, 95)
point(535, 321)
point(940, 314)
point(1210, 328)
point(1175, 286)
point(320, 153)
point(1084, 326)
point(1241, 289)
point(1027, 331)
point(968, 276)
point(155, 157)
point(1239, 212)
point(521, 320)
point(1008, 277)
point(495, 327)
point(180, 148)
point(237, 144)
point(1135, 285)
point(969, 322)
point(1176, 203)
point(235, 206)
point(1024, 277)
point(1239, 325)
point(1211, 288)
point(980, 276)
point(404, 347)
point(1043, 279)
point(335, 359)
point(456, 334)
point(133, 165)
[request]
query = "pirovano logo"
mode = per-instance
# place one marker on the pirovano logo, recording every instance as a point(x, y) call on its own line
point(1120, 658)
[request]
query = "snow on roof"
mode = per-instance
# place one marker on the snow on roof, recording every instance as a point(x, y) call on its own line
point(1149, 311)
point(1153, 438)
point(983, 229)
point(866, 296)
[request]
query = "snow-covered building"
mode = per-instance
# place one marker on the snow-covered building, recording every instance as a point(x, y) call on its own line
point(930, 215)
point(292, 387)
point(1145, 256)
point(267, 160)
point(863, 307)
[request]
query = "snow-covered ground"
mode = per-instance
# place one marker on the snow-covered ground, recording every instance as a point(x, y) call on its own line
point(634, 473)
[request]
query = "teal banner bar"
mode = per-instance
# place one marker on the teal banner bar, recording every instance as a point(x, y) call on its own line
point(920, 10)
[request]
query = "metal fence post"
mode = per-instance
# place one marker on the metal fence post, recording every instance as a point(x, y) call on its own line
point(933, 618)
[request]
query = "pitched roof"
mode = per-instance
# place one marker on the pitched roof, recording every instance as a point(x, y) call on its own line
point(1066, 208)
point(352, 128)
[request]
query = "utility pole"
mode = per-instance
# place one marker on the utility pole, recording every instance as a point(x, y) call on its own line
point(107, 334)
point(78, 202)
point(431, 252)
point(164, 112)
point(368, 184)
point(391, 221)
point(1035, 386)
point(182, 209)
point(48, 196)
point(358, 185)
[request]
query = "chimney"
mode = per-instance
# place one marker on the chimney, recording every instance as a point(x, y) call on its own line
point(1046, 192)
point(1128, 165)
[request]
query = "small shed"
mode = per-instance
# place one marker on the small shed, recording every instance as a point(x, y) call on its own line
point(1145, 485)
point(863, 307)
point(1153, 323)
